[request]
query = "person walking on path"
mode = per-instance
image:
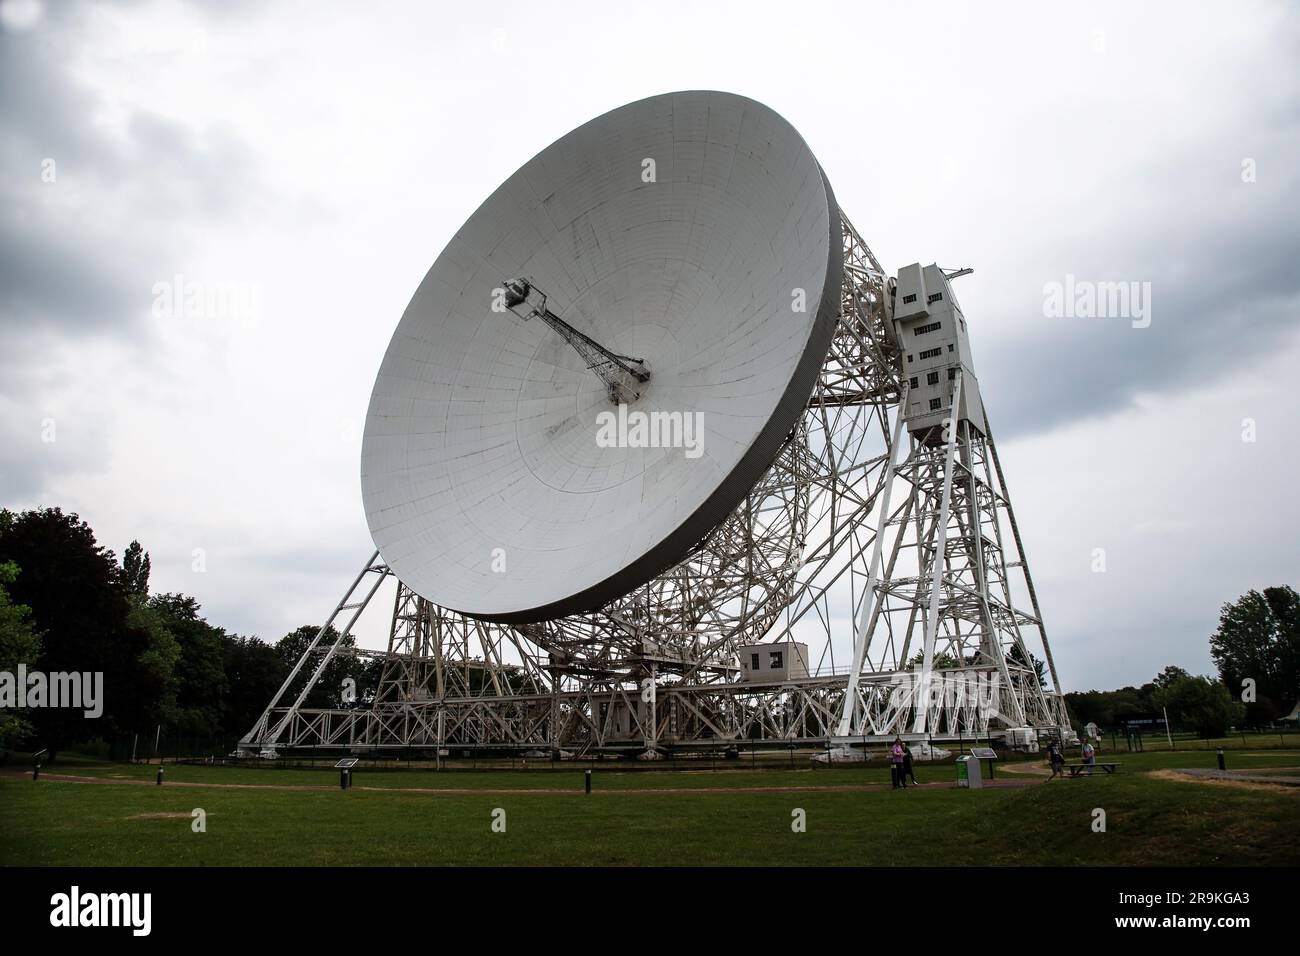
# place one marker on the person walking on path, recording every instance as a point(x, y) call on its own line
point(896, 763)
point(1055, 758)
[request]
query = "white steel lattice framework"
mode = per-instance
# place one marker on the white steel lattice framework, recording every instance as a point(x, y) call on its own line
point(893, 553)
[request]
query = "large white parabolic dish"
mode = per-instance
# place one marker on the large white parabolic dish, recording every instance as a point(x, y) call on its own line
point(484, 486)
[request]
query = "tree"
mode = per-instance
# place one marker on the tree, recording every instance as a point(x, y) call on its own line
point(135, 570)
point(1201, 703)
point(1258, 639)
point(19, 644)
point(1169, 675)
point(345, 664)
point(73, 588)
point(254, 672)
point(1017, 659)
point(155, 680)
point(200, 675)
point(150, 699)
point(942, 661)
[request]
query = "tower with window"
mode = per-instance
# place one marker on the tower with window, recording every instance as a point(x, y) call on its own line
point(935, 349)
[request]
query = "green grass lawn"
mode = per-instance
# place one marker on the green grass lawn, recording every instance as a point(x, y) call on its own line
point(1149, 820)
point(612, 775)
point(567, 777)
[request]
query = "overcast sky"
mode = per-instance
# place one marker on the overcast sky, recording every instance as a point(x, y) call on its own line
point(311, 160)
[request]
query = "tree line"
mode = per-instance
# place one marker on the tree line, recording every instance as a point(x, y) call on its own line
point(68, 605)
point(1256, 649)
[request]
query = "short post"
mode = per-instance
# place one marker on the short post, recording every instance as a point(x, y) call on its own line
point(36, 770)
point(1222, 765)
point(160, 774)
point(587, 779)
point(343, 779)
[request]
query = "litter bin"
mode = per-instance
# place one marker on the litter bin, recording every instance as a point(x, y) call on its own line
point(968, 773)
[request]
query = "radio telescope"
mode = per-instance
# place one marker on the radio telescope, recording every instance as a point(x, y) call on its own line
point(654, 231)
point(660, 458)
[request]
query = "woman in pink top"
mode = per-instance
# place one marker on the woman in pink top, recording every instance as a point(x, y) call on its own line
point(896, 764)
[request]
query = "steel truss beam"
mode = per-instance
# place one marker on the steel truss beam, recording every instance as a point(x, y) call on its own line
point(847, 536)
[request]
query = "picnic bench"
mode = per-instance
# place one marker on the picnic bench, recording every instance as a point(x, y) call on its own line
point(1078, 768)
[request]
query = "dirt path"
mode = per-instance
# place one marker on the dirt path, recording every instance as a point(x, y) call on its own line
point(1033, 769)
point(1248, 779)
point(451, 791)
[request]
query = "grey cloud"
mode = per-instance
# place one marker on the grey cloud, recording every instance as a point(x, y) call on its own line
point(36, 392)
point(79, 257)
point(1225, 292)
point(137, 201)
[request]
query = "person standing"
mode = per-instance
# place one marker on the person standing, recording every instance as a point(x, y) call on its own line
point(896, 763)
point(907, 765)
point(1089, 752)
